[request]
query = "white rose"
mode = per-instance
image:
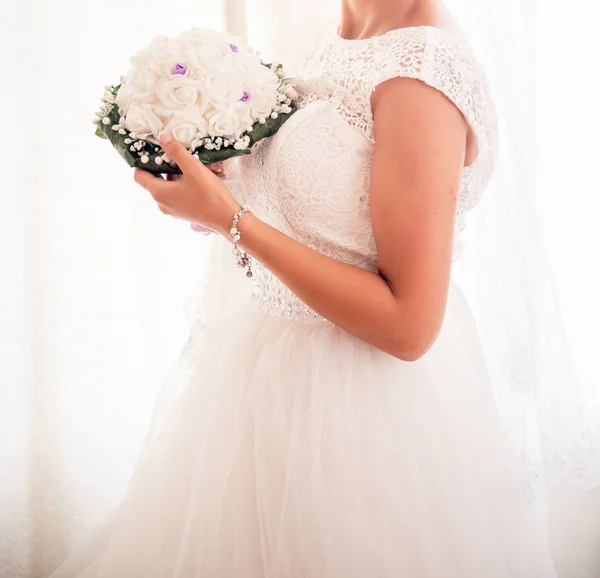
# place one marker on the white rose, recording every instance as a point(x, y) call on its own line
point(179, 91)
point(163, 53)
point(139, 88)
point(263, 101)
point(139, 60)
point(227, 122)
point(244, 113)
point(247, 64)
point(143, 123)
point(263, 87)
point(202, 81)
point(204, 57)
point(147, 78)
point(185, 125)
point(123, 98)
point(222, 89)
point(200, 36)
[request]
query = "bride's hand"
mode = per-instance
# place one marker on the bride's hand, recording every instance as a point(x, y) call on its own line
point(217, 169)
point(199, 195)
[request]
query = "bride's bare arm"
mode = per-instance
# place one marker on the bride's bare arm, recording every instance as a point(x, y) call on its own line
point(419, 154)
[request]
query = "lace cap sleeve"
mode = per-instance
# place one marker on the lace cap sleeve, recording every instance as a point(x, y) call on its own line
point(447, 64)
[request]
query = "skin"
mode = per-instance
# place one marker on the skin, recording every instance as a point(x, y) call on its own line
point(413, 195)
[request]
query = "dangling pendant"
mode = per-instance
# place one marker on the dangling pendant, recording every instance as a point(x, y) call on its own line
point(243, 259)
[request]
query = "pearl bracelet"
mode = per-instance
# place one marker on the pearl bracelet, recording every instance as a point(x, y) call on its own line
point(243, 259)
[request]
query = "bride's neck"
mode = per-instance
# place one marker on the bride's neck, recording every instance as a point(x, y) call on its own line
point(364, 18)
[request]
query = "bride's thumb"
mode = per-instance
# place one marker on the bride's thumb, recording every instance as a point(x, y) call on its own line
point(177, 152)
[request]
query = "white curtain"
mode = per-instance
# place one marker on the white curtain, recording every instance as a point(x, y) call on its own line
point(95, 279)
point(568, 121)
point(545, 52)
point(568, 201)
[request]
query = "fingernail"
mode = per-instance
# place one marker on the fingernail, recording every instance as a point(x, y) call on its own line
point(164, 138)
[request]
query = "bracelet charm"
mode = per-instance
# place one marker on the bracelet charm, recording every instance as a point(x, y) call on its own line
point(243, 259)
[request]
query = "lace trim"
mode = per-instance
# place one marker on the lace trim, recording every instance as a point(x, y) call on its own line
point(346, 73)
point(276, 299)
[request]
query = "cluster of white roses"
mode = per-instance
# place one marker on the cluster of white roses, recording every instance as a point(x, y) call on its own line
point(202, 86)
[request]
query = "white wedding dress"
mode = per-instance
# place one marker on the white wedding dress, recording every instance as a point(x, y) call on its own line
point(296, 450)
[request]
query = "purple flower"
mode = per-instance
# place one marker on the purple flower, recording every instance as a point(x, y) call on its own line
point(179, 69)
point(246, 96)
point(234, 48)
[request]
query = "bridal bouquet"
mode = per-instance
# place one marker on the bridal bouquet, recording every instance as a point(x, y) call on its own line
point(216, 96)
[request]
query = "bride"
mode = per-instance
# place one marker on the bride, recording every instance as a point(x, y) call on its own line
point(340, 422)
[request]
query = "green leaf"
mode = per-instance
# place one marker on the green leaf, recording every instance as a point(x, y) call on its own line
point(270, 127)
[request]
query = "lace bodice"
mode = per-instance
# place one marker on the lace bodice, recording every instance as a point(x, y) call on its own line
point(311, 180)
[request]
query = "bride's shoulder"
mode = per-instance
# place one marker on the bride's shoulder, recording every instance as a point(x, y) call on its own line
point(440, 58)
point(445, 61)
point(424, 50)
point(420, 52)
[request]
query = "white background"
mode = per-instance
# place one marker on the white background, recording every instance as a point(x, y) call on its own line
point(95, 278)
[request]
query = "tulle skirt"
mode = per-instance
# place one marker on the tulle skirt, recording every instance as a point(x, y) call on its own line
point(299, 451)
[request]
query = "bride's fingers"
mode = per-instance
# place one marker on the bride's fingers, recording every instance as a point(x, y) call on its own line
point(217, 169)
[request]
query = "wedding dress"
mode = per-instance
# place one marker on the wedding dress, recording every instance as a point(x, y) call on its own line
point(296, 450)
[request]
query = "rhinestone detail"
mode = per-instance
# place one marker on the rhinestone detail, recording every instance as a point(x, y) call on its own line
point(273, 297)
